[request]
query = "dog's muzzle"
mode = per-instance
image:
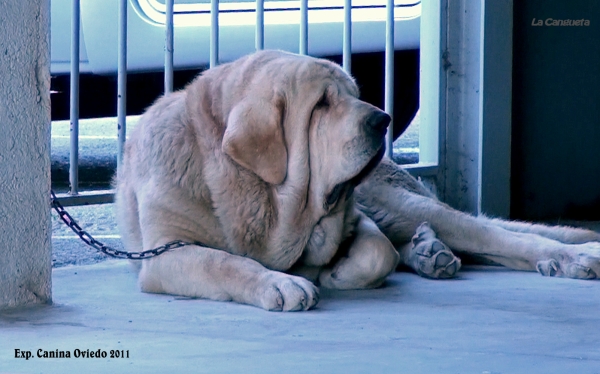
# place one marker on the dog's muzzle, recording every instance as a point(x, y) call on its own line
point(378, 121)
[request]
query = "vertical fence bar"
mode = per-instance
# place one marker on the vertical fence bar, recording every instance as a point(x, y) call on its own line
point(122, 81)
point(214, 33)
point(74, 100)
point(389, 75)
point(169, 47)
point(433, 42)
point(347, 47)
point(303, 48)
point(260, 25)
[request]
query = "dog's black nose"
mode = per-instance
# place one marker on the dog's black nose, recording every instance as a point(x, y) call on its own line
point(378, 120)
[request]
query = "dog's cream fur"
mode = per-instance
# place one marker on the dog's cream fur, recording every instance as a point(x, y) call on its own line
point(260, 160)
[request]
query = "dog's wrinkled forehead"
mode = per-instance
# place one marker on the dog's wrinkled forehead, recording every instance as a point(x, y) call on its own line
point(292, 71)
point(323, 70)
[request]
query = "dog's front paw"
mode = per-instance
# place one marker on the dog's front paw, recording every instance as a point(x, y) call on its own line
point(287, 293)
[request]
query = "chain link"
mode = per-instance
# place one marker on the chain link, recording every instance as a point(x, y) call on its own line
point(89, 239)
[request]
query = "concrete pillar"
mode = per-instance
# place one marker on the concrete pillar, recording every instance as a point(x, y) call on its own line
point(25, 247)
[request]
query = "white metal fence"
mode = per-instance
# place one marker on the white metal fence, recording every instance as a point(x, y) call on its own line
point(74, 197)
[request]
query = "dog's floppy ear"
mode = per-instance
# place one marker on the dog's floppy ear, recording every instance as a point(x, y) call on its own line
point(254, 139)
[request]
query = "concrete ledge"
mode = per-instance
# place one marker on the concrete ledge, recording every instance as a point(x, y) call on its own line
point(488, 320)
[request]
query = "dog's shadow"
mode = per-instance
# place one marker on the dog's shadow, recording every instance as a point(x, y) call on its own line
point(399, 287)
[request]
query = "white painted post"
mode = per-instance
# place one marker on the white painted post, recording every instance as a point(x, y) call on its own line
point(389, 76)
point(25, 247)
point(466, 66)
point(433, 83)
point(303, 43)
point(260, 25)
point(214, 33)
point(169, 45)
point(122, 82)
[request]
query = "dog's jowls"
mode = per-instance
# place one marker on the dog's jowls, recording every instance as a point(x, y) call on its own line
point(273, 163)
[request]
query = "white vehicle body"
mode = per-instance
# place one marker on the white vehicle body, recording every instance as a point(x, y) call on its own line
point(146, 31)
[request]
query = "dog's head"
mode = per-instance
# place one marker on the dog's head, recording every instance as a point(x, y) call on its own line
point(297, 123)
point(300, 122)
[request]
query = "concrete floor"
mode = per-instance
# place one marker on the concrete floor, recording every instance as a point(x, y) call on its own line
point(489, 320)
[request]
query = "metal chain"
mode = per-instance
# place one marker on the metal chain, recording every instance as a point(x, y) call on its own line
point(89, 240)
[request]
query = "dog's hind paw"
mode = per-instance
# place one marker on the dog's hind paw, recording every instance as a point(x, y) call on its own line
point(578, 261)
point(579, 271)
point(431, 258)
point(548, 268)
point(551, 268)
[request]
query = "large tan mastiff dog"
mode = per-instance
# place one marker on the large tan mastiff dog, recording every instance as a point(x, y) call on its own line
point(273, 164)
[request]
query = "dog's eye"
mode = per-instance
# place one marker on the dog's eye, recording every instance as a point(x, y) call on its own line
point(334, 195)
point(323, 101)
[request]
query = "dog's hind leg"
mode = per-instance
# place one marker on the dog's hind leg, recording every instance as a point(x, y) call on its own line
point(381, 197)
point(398, 212)
point(364, 262)
point(563, 234)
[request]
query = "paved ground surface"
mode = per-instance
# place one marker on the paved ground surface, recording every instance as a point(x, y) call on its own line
point(488, 320)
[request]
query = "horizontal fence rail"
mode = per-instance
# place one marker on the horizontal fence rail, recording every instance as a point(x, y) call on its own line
point(74, 197)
